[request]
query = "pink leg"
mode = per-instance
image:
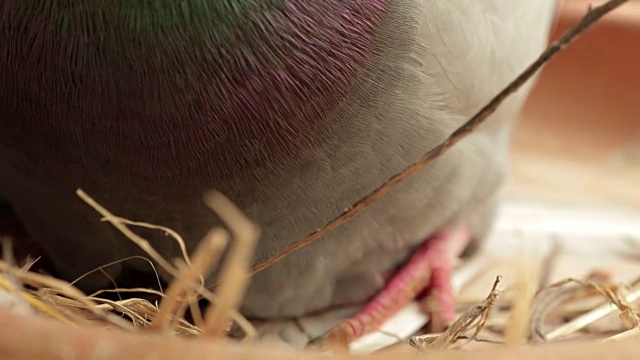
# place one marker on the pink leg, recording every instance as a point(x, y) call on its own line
point(429, 268)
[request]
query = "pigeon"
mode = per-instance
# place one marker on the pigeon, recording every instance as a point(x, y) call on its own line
point(293, 109)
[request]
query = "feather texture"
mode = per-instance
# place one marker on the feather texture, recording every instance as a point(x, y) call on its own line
point(293, 108)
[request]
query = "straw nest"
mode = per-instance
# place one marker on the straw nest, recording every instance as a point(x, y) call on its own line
point(57, 319)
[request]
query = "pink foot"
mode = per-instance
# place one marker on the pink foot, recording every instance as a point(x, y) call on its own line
point(429, 268)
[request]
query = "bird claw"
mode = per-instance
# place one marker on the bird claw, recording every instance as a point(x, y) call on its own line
point(427, 270)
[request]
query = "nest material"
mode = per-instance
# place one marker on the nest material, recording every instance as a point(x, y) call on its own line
point(561, 310)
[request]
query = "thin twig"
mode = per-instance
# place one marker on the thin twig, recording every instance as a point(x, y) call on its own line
point(592, 16)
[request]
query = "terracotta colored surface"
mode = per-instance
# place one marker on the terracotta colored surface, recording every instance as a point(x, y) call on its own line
point(579, 139)
point(33, 338)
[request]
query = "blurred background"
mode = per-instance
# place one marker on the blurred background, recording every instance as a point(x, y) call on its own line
point(578, 142)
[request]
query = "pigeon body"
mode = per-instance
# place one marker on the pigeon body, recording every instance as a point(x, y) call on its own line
point(294, 109)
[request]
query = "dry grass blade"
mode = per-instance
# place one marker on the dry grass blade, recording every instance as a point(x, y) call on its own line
point(51, 284)
point(102, 267)
point(13, 290)
point(472, 319)
point(128, 290)
point(204, 258)
point(235, 315)
point(39, 281)
point(516, 333)
point(629, 334)
point(170, 232)
point(617, 298)
point(141, 242)
point(171, 269)
point(546, 301)
point(138, 310)
point(467, 128)
point(233, 277)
